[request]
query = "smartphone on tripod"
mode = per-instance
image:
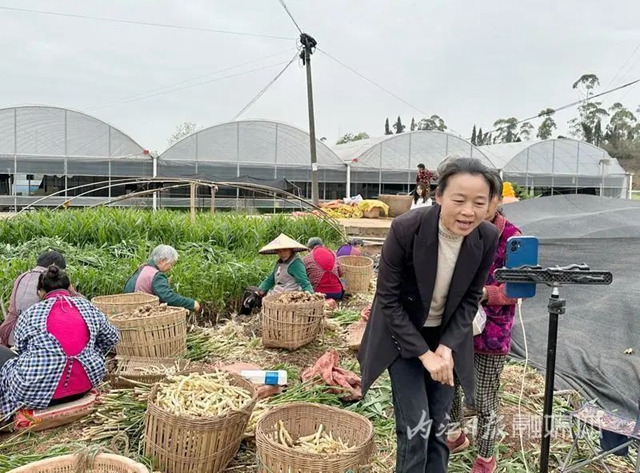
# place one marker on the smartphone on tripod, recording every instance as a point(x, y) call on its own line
point(521, 251)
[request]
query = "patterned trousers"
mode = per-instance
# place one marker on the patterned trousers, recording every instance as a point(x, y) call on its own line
point(487, 369)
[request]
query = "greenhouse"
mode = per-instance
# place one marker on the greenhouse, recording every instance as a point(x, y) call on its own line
point(254, 149)
point(387, 164)
point(44, 150)
point(49, 150)
point(560, 166)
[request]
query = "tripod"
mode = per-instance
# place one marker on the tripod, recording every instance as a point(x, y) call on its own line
point(554, 277)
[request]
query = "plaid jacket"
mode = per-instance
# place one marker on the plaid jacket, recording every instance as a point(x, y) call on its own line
point(30, 379)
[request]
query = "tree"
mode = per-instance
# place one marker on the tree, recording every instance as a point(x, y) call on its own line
point(480, 138)
point(526, 129)
point(183, 130)
point(545, 130)
point(622, 124)
point(432, 123)
point(587, 82)
point(591, 113)
point(507, 129)
point(413, 124)
point(398, 126)
point(349, 137)
point(474, 136)
point(584, 127)
point(387, 129)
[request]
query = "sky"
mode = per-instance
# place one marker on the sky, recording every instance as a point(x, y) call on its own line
point(469, 62)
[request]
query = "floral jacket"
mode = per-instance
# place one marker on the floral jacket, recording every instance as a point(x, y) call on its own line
point(495, 339)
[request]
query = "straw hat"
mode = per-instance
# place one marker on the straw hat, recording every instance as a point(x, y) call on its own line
point(283, 242)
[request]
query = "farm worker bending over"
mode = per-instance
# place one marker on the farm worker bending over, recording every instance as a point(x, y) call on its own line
point(150, 278)
point(289, 273)
point(323, 269)
point(353, 248)
point(25, 294)
point(61, 343)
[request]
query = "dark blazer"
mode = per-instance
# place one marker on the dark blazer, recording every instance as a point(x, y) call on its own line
point(406, 278)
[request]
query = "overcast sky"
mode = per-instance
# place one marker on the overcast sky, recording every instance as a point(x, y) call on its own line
point(468, 61)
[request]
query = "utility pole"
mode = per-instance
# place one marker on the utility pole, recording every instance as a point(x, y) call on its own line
point(309, 45)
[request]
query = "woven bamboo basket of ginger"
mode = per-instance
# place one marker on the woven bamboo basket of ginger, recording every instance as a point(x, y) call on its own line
point(195, 421)
point(291, 319)
point(304, 437)
point(152, 331)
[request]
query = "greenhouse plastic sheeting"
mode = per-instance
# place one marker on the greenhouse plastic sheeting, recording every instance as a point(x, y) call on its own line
point(601, 322)
point(253, 141)
point(403, 152)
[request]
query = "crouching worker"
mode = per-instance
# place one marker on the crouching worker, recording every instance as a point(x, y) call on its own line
point(150, 278)
point(288, 275)
point(61, 343)
point(323, 269)
point(25, 294)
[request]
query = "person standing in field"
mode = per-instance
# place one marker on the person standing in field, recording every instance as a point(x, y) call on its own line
point(420, 327)
point(151, 278)
point(491, 349)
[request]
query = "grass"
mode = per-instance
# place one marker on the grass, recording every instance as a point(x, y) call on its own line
point(103, 247)
point(218, 257)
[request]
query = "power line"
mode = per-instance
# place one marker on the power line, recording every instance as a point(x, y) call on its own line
point(185, 81)
point(187, 87)
point(261, 93)
point(143, 23)
point(569, 105)
point(284, 5)
point(380, 87)
point(371, 82)
point(623, 65)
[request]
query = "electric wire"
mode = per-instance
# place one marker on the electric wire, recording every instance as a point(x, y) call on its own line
point(524, 377)
point(185, 81)
point(284, 5)
point(265, 88)
point(143, 23)
point(189, 86)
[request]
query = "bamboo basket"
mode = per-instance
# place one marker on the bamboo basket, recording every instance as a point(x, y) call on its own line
point(104, 463)
point(302, 419)
point(357, 271)
point(161, 336)
point(130, 370)
point(120, 303)
point(290, 325)
point(204, 445)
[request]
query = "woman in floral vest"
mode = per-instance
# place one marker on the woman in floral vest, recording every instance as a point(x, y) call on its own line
point(491, 349)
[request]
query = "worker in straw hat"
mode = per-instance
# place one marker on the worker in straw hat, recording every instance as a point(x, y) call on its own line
point(288, 275)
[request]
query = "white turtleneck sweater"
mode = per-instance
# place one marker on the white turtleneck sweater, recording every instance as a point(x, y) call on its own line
point(448, 250)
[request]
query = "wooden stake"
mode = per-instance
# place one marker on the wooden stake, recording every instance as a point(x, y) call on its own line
point(193, 202)
point(213, 199)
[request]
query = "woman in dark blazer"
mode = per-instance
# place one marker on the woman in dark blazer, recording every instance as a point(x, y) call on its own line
point(433, 268)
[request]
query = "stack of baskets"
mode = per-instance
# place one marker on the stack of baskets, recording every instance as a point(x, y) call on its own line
point(303, 419)
point(182, 444)
point(290, 325)
point(160, 336)
point(149, 347)
point(358, 272)
point(103, 463)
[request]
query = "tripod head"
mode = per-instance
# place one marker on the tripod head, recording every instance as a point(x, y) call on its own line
point(554, 276)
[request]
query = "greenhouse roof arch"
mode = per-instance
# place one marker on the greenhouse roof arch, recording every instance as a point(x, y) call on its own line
point(404, 151)
point(39, 131)
point(256, 142)
point(560, 156)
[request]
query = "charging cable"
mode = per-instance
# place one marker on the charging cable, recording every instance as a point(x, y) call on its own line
point(524, 376)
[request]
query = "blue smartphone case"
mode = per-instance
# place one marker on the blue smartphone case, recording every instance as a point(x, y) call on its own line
point(521, 250)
